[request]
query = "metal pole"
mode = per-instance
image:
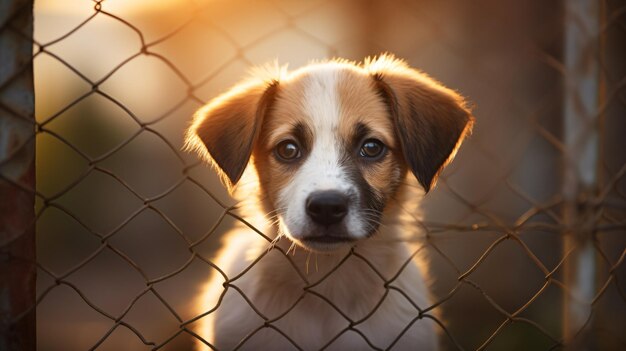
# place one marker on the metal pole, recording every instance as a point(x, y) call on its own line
point(580, 127)
point(17, 177)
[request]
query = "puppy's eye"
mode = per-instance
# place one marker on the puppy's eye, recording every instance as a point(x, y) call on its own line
point(372, 148)
point(288, 150)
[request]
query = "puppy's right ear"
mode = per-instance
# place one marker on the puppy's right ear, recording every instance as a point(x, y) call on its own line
point(224, 131)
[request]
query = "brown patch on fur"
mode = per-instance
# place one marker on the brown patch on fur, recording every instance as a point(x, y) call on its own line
point(360, 103)
point(287, 113)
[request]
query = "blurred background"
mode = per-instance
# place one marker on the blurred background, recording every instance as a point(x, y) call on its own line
point(129, 219)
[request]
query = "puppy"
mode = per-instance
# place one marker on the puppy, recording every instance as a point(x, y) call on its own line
point(330, 162)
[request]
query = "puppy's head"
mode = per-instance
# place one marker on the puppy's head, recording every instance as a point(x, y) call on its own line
point(332, 143)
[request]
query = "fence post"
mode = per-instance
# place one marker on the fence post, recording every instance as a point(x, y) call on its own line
point(17, 177)
point(580, 133)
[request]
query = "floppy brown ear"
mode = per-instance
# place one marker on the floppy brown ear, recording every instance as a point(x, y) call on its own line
point(225, 130)
point(430, 120)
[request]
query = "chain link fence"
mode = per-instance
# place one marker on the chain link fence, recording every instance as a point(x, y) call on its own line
point(525, 232)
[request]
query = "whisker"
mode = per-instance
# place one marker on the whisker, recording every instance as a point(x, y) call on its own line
point(308, 258)
point(293, 246)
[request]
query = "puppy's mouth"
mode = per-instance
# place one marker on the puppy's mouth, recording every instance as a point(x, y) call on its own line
point(329, 239)
point(326, 243)
point(326, 239)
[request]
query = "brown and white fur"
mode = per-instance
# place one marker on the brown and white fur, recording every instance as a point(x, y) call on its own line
point(330, 162)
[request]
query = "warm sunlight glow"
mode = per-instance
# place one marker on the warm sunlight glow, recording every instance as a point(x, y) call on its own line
point(116, 6)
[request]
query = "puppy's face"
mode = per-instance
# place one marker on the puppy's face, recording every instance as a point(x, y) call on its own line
point(327, 157)
point(332, 143)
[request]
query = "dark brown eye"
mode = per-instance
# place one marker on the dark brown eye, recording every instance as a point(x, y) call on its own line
point(372, 148)
point(288, 150)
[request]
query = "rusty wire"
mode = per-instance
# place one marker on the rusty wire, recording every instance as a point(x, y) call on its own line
point(607, 195)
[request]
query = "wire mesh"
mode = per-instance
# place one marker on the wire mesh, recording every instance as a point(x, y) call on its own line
point(128, 224)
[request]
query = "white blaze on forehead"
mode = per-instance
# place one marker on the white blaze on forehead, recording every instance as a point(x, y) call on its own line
point(321, 101)
point(322, 106)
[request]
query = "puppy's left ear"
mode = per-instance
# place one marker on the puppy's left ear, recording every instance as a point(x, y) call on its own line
point(430, 120)
point(225, 130)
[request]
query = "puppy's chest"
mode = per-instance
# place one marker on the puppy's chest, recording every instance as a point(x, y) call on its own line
point(337, 317)
point(349, 297)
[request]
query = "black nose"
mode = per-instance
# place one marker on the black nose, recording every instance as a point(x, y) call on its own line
point(327, 207)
